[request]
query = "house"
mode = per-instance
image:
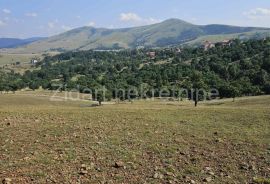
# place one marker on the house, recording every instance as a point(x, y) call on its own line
point(226, 42)
point(34, 61)
point(208, 45)
point(178, 50)
point(152, 55)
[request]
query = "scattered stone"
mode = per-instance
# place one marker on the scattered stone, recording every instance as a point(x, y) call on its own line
point(6, 181)
point(244, 166)
point(208, 169)
point(83, 172)
point(169, 174)
point(26, 158)
point(186, 177)
point(83, 166)
point(219, 140)
point(158, 176)
point(208, 179)
point(211, 173)
point(192, 182)
point(221, 174)
point(252, 167)
point(98, 169)
point(84, 169)
point(182, 153)
point(119, 164)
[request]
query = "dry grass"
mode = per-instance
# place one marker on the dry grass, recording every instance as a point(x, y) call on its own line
point(13, 58)
point(158, 142)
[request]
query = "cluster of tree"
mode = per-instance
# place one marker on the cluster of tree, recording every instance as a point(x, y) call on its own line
point(238, 69)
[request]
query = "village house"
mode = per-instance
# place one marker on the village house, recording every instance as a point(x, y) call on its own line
point(178, 50)
point(34, 61)
point(226, 42)
point(208, 45)
point(152, 55)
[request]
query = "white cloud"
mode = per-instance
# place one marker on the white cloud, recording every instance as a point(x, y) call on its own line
point(91, 24)
point(151, 21)
point(51, 25)
point(7, 11)
point(257, 13)
point(130, 17)
point(2, 23)
point(66, 28)
point(31, 14)
point(136, 19)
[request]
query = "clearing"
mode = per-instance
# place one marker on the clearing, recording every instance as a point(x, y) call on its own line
point(142, 142)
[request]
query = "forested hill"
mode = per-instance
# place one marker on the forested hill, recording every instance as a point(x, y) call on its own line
point(237, 69)
point(163, 34)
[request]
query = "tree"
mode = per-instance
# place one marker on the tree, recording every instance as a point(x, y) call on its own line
point(33, 85)
point(198, 91)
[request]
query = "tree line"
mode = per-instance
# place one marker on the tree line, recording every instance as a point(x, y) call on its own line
point(238, 69)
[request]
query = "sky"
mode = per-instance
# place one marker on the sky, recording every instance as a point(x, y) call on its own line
point(32, 18)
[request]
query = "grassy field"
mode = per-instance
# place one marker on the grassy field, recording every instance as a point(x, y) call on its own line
point(13, 58)
point(143, 142)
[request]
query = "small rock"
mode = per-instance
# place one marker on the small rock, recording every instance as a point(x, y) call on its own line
point(244, 166)
point(26, 158)
point(186, 177)
point(182, 153)
point(221, 174)
point(207, 168)
point(83, 172)
point(192, 182)
point(84, 169)
point(119, 164)
point(211, 173)
point(6, 181)
point(252, 167)
point(8, 124)
point(83, 166)
point(208, 179)
point(169, 174)
point(156, 175)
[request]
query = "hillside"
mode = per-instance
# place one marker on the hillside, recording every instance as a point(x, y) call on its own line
point(15, 42)
point(66, 142)
point(238, 69)
point(169, 32)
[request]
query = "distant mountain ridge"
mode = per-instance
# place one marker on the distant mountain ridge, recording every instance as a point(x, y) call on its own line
point(16, 42)
point(166, 33)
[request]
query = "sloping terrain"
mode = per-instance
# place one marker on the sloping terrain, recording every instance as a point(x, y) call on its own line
point(169, 32)
point(144, 142)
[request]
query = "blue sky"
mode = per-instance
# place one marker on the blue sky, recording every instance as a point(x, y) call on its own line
point(29, 18)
